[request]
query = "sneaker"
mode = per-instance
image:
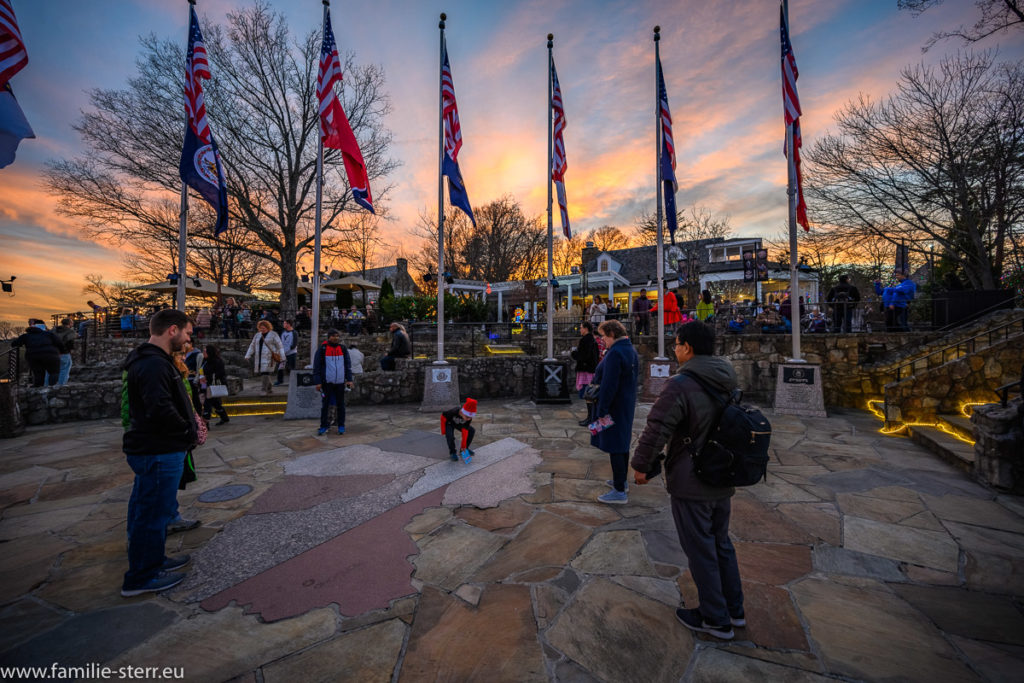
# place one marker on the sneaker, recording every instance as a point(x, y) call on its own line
point(694, 620)
point(223, 421)
point(321, 431)
point(454, 456)
point(738, 618)
point(614, 497)
point(467, 456)
point(583, 423)
point(161, 582)
point(176, 562)
point(341, 430)
point(180, 524)
point(611, 484)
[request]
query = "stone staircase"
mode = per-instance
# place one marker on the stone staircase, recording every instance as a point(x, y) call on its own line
point(934, 389)
point(255, 404)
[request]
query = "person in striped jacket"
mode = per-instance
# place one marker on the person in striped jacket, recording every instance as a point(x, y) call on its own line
point(332, 373)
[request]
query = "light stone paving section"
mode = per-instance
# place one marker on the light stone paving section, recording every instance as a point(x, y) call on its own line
point(934, 549)
point(443, 473)
point(356, 459)
point(500, 481)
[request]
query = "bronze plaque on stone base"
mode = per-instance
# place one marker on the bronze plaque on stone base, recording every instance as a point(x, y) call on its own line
point(798, 390)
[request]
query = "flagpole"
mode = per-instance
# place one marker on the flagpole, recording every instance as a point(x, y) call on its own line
point(794, 273)
point(657, 183)
point(551, 274)
point(440, 200)
point(314, 332)
point(183, 225)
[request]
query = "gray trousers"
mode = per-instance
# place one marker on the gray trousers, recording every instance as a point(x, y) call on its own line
point(703, 528)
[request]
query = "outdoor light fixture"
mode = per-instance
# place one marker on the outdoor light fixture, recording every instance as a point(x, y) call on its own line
point(305, 278)
point(428, 277)
point(172, 278)
point(197, 282)
point(449, 278)
point(8, 285)
point(554, 283)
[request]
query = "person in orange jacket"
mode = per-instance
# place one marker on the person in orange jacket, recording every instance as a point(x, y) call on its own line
point(672, 315)
point(459, 418)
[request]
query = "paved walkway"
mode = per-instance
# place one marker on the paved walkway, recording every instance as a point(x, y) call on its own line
point(372, 557)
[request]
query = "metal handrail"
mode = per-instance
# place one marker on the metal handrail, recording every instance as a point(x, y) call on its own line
point(1004, 391)
point(959, 349)
point(1018, 300)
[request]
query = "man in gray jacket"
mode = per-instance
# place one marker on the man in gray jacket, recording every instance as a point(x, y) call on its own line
point(680, 420)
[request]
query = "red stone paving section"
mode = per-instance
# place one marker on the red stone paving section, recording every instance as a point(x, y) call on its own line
point(363, 569)
point(302, 492)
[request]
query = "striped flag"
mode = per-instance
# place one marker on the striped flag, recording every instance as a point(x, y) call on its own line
point(335, 130)
point(452, 141)
point(558, 161)
point(791, 107)
point(200, 166)
point(668, 158)
point(13, 55)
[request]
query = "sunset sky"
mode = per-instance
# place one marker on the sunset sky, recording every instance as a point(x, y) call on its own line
point(721, 62)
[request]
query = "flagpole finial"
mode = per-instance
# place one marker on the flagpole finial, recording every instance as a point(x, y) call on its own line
point(551, 40)
point(443, 17)
point(657, 33)
point(192, 2)
point(327, 3)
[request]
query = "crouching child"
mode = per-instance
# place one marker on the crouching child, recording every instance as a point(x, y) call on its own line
point(459, 418)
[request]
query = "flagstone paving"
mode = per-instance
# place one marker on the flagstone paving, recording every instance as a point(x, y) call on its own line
point(373, 557)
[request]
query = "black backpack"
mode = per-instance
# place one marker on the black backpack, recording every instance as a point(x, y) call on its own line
point(736, 451)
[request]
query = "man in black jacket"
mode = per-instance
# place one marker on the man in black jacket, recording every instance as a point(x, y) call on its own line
point(401, 347)
point(680, 419)
point(843, 298)
point(162, 427)
point(42, 352)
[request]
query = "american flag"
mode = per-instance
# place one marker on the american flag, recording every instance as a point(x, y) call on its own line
point(335, 130)
point(197, 68)
point(13, 56)
point(791, 107)
point(668, 158)
point(452, 141)
point(558, 161)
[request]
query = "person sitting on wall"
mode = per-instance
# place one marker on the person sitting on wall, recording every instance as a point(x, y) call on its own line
point(401, 347)
point(817, 322)
point(738, 324)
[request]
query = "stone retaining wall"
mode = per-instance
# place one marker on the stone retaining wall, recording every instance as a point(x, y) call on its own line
point(941, 390)
point(493, 377)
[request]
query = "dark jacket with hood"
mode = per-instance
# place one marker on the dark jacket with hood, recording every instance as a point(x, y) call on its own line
point(586, 354)
point(159, 410)
point(39, 343)
point(684, 410)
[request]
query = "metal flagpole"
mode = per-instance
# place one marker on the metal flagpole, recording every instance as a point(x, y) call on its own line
point(551, 274)
point(440, 202)
point(183, 227)
point(314, 332)
point(794, 273)
point(657, 175)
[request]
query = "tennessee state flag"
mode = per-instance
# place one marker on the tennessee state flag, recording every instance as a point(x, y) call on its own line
point(335, 131)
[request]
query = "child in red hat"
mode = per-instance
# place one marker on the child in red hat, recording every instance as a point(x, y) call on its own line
point(459, 418)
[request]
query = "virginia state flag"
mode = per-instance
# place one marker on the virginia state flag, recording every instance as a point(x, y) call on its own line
point(200, 165)
point(13, 126)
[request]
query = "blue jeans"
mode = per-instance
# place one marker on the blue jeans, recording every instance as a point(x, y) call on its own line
point(703, 528)
point(333, 393)
point(153, 504)
point(65, 368)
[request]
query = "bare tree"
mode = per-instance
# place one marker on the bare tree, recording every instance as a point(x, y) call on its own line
point(504, 245)
point(996, 16)
point(941, 160)
point(359, 250)
point(607, 238)
point(263, 109)
point(696, 223)
point(567, 252)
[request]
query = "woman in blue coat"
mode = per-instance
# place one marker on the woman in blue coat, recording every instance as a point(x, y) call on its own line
point(612, 430)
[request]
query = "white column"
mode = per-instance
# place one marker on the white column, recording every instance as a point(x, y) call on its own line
point(611, 291)
point(499, 306)
point(568, 305)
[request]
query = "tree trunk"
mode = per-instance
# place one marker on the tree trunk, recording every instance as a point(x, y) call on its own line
point(289, 284)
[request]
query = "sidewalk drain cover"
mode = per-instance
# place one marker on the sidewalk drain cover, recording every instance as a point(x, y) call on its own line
point(224, 493)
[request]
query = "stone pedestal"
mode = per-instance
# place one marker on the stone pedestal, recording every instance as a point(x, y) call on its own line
point(999, 445)
point(440, 388)
point(304, 400)
point(552, 382)
point(798, 390)
point(655, 376)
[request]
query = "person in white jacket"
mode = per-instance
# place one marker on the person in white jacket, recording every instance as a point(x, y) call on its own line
point(356, 357)
point(267, 350)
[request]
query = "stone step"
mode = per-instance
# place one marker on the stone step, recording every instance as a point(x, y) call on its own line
point(239, 409)
point(959, 425)
point(951, 449)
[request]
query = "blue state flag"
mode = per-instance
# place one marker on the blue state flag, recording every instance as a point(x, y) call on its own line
point(201, 170)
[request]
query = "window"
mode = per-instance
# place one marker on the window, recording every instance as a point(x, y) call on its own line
point(603, 265)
